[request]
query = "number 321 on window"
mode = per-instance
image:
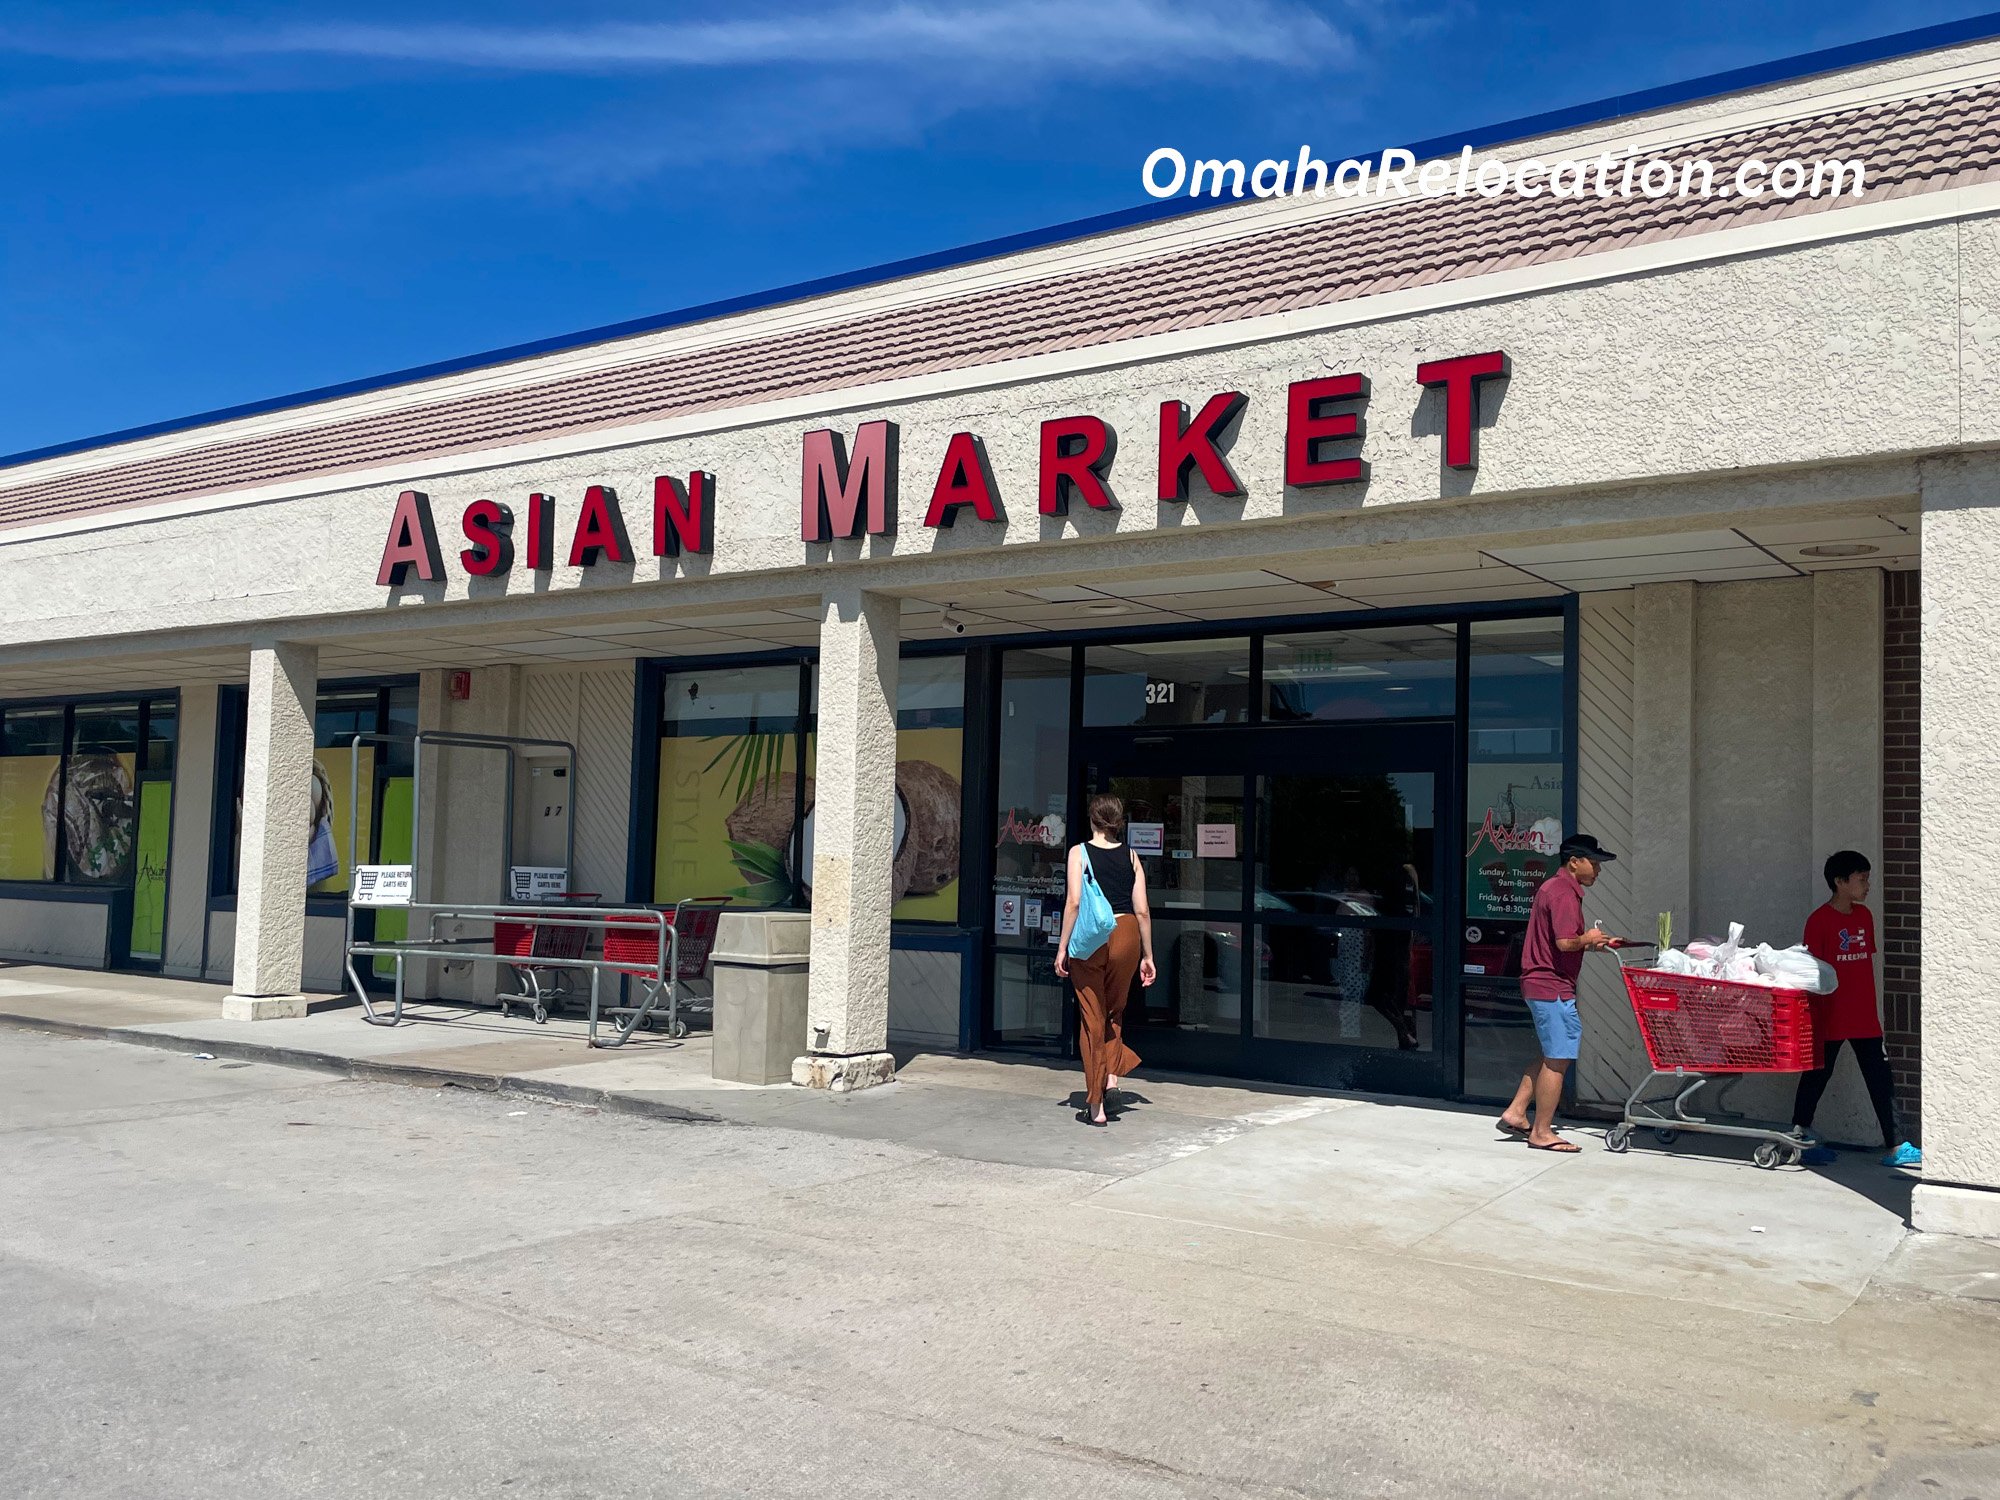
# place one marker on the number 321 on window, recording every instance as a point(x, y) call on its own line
point(1159, 692)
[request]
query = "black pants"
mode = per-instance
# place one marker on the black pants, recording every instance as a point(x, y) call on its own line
point(1874, 1072)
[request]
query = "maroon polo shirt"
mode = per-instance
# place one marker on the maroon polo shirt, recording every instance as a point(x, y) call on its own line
point(1548, 973)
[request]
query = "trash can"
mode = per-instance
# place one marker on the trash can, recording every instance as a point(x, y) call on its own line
point(760, 994)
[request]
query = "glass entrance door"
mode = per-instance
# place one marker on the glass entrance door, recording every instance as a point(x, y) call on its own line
point(1296, 882)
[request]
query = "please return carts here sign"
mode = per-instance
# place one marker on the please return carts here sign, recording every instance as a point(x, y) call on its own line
point(382, 885)
point(536, 882)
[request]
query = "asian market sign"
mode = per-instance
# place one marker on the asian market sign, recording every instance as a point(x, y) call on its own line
point(1514, 827)
point(851, 489)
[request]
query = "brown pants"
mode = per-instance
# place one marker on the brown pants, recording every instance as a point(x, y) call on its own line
point(1103, 981)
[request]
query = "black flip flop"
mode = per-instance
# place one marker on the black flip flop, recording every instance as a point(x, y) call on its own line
point(1559, 1146)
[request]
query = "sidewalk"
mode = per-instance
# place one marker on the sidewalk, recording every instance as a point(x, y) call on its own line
point(1408, 1179)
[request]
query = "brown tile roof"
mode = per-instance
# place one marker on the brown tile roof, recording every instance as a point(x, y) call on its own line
point(1909, 145)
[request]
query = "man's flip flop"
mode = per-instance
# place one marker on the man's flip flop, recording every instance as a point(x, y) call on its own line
point(1564, 1148)
point(1519, 1132)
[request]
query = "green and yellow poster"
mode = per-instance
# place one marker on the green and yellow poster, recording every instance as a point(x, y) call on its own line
point(149, 877)
point(730, 821)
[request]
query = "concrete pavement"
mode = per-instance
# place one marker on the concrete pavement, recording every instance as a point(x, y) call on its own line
point(1400, 1177)
point(224, 1279)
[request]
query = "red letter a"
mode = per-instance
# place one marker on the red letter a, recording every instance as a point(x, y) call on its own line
point(964, 479)
point(412, 544)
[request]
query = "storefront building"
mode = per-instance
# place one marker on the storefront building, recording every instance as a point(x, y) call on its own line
point(1361, 547)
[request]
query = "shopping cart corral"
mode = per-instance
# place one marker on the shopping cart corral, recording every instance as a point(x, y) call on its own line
point(1696, 1030)
point(555, 944)
point(640, 947)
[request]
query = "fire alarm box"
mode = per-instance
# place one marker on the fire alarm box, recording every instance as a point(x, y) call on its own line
point(461, 686)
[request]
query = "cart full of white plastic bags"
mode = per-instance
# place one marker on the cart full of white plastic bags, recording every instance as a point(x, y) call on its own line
point(1780, 968)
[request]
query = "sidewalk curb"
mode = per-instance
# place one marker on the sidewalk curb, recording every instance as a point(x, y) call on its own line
point(368, 1071)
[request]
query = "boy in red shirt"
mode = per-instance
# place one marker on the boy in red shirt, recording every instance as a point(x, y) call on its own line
point(1842, 934)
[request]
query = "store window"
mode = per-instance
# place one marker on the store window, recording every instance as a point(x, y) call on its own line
point(1391, 672)
point(1167, 683)
point(1030, 841)
point(930, 788)
point(1515, 774)
point(85, 794)
point(733, 792)
point(381, 820)
point(738, 752)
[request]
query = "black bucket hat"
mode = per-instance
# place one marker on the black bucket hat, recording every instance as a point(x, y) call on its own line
point(1582, 845)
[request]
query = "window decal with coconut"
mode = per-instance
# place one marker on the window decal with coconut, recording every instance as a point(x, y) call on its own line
point(736, 806)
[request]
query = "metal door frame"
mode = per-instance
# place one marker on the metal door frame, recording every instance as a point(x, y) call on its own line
point(1253, 752)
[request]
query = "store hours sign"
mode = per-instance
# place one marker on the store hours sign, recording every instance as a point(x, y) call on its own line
point(853, 487)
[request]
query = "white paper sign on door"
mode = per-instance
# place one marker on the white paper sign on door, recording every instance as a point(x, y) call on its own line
point(1215, 840)
point(1006, 916)
point(1146, 838)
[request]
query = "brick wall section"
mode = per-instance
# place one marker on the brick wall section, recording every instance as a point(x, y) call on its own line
point(1899, 873)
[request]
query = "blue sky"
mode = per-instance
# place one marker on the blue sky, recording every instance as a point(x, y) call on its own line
point(215, 205)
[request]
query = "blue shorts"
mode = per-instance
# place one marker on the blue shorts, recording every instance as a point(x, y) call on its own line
point(1558, 1028)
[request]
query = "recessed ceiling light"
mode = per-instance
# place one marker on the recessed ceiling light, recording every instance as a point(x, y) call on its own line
point(1107, 607)
point(1839, 549)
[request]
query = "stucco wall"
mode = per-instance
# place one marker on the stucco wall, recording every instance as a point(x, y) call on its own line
point(1961, 827)
point(194, 807)
point(1801, 340)
point(62, 932)
point(325, 937)
point(1754, 751)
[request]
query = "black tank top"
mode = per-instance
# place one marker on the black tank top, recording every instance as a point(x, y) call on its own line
point(1113, 869)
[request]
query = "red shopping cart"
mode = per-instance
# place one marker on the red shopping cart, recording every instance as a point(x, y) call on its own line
point(657, 953)
point(541, 958)
point(1695, 1029)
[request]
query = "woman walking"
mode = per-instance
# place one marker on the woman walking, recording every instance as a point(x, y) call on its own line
point(1103, 979)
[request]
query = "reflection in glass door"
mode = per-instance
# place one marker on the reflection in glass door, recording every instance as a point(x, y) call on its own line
point(1295, 882)
point(1345, 890)
point(1187, 830)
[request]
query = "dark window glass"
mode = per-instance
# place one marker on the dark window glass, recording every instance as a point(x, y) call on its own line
point(1168, 682)
point(1031, 813)
point(339, 716)
point(1514, 778)
point(1393, 672)
point(1354, 986)
point(31, 731)
point(1188, 834)
point(1200, 983)
point(162, 735)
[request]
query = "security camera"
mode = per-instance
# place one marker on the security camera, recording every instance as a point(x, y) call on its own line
point(952, 622)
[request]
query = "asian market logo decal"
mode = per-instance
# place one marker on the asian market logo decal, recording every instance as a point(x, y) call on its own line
point(851, 489)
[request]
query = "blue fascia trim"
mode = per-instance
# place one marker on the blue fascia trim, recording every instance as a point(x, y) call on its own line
point(1784, 70)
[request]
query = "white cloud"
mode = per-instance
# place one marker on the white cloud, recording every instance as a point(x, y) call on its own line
point(1122, 36)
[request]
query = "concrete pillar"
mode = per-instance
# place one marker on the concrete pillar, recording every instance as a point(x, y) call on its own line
point(854, 819)
point(1960, 797)
point(464, 819)
point(277, 812)
point(194, 812)
point(1663, 750)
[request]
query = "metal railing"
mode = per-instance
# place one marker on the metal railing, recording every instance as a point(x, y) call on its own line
point(656, 968)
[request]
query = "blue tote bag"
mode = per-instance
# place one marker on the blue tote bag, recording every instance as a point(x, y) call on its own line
point(1095, 920)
